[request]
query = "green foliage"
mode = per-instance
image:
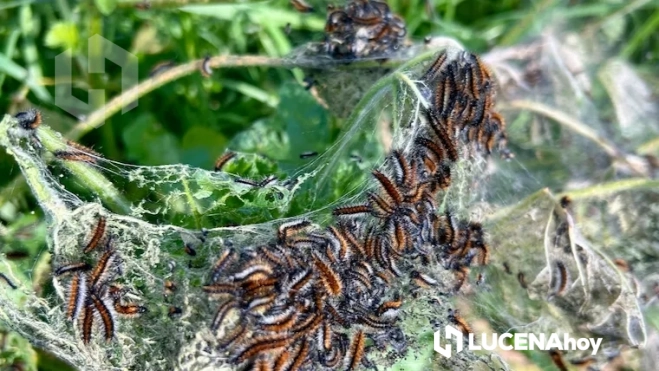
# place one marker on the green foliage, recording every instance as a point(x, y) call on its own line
point(264, 114)
point(62, 35)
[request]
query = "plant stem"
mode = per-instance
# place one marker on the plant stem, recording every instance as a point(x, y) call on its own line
point(45, 189)
point(192, 203)
point(98, 117)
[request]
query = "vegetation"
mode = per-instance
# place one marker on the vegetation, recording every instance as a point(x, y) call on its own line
point(259, 106)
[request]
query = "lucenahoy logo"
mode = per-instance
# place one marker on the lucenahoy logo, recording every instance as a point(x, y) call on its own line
point(518, 341)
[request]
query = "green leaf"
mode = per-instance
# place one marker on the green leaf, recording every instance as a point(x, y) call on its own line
point(19, 73)
point(63, 35)
point(261, 138)
point(106, 7)
point(149, 143)
point(201, 145)
point(146, 41)
point(251, 91)
point(305, 121)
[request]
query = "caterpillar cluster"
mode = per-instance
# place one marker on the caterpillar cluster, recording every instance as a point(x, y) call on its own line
point(91, 296)
point(311, 298)
point(462, 105)
point(363, 28)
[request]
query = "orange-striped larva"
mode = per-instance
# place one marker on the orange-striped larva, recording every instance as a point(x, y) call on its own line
point(225, 258)
point(339, 241)
point(261, 303)
point(403, 170)
point(77, 296)
point(484, 254)
point(379, 206)
point(333, 357)
point(299, 282)
point(101, 271)
point(106, 314)
point(362, 279)
point(87, 323)
point(262, 344)
point(309, 326)
point(338, 317)
point(330, 278)
point(422, 280)
point(325, 338)
point(388, 186)
point(75, 157)
point(30, 119)
point(234, 335)
point(97, 235)
point(435, 67)
point(374, 322)
point(283, 360)
point(129, 310)
point(300, 357)
point(84, 149)
point(443, 134)
point(302, 6)
point(434, 148)
point(220, 289)
point(223, 160)
point(455, 318)
point(461, 274)
point(70, 268)
point(559, 278)
point(222, 311)
point(282, 322)
point(446, 229)
point(352, 210)
point(274, 255)
point(252, 272)
point(290, 228)
point(356, 352)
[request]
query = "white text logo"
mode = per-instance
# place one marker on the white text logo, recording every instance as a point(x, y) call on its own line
point(518, 341)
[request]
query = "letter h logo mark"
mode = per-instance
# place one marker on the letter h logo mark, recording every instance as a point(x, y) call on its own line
point(451, 332)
